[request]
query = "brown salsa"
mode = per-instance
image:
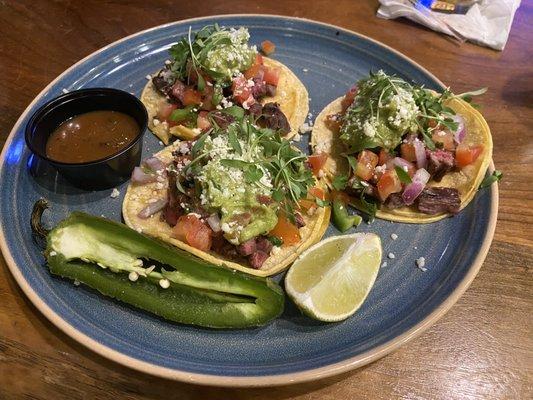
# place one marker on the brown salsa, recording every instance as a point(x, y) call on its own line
point(91, 136)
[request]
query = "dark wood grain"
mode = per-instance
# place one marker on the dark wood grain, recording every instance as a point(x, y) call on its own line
point(482, 349)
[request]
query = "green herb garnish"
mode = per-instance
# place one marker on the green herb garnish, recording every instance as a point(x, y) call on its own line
point(496, 176)
point(402, 175)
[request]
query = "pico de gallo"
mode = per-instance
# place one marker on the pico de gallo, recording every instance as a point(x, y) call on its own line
point(240, 190)
point(213, 69)
point(397, 137)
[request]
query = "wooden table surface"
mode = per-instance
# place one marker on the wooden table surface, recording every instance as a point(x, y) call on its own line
point(482, 349)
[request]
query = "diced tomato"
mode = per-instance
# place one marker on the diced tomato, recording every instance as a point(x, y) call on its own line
point(317, 192)
point(307, 204)
point(385, 156)
point(348, 98)
point(191, 230)
point(254, 71)
point(191, 97)
point(446, 138)
point(366, 162)
point(202, 122)
point(388, 183)
point(165, 109)
point(408, 152)
point(178, 90)
point(240, 89)
point(334, 122)
point(466, 155)
point(339, 195)
point(272, 75)
point(268, 47)
point(258, 59)
point(317, 162)
point(286, 231)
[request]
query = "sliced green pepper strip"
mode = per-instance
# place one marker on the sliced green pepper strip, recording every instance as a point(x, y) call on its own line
point(342, 220)
point(199, 293)
point(181, 114)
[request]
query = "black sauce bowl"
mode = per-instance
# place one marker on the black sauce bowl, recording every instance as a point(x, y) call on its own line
point(98, 174)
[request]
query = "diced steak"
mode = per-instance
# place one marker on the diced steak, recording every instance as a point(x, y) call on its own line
point(256, 110)
point(257, 259)
point(394, 200)
point(163, 81)
point(223, 120)
point(263, 244)
point(272, 117)
point(271, 90)
point(437, 200)
point(300, 222)
point(247, 248)
point(439, 163)
point(259, 89)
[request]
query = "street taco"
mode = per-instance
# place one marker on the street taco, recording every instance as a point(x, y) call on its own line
point(402, 152)
point(239, 196)
point(213, 69)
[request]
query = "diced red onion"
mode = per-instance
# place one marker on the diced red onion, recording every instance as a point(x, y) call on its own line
point(420, 152)
point(399, 162)
point(418, 183)
point(152, 208)
point(214, 222)
point(460, 133)
point(154, 163)
point(140, 177)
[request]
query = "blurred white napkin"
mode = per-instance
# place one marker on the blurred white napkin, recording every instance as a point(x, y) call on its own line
point(487, 23)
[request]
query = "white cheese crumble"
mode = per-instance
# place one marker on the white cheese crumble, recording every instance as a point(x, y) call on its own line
point(133, 276)
point(52, 253)
point(114, 193)
point(305, 128)
point(391, 256)
point(164, 283)
point(148, 77)
point(420, 263)
point(384, 264)
point(64, 90)
point(393, 236)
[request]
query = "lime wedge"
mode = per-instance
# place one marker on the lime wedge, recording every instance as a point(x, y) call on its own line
point(331, 279)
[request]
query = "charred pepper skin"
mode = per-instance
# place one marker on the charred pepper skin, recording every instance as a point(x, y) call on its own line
point(199, 293)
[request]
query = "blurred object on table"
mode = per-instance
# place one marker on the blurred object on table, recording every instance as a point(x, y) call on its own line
point(485, 22)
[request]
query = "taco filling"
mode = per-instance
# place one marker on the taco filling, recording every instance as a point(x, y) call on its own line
point(214, 69)
point(240, 192)
point(402, 150)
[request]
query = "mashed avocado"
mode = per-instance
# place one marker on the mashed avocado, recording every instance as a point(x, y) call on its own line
point(382, 112)
point(225, 190)
point(233, 56)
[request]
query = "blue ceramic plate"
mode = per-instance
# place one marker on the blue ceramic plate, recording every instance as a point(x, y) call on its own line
point(294, 348)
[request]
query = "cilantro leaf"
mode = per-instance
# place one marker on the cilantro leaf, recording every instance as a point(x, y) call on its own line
point(340, 182)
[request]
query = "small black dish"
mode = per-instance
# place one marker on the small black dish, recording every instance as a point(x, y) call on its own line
point(93, 175)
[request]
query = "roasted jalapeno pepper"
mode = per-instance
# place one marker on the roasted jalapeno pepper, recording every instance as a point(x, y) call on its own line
point(121, 263)
point(342, 220)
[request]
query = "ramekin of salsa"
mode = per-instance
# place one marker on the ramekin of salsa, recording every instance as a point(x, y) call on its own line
point(93, 137)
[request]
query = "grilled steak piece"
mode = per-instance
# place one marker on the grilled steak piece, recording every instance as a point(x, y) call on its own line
point(300, 222)
point(247, 248)
point(271, 90)
point(263, 244)
point(272, 117)
point(437, 200)
point(440, 162)
point(223, 120)
point(394, 200)
point(163, 81)
point(257, 259)
point(259, 89)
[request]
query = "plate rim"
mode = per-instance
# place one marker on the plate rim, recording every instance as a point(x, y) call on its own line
point(259, 380)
